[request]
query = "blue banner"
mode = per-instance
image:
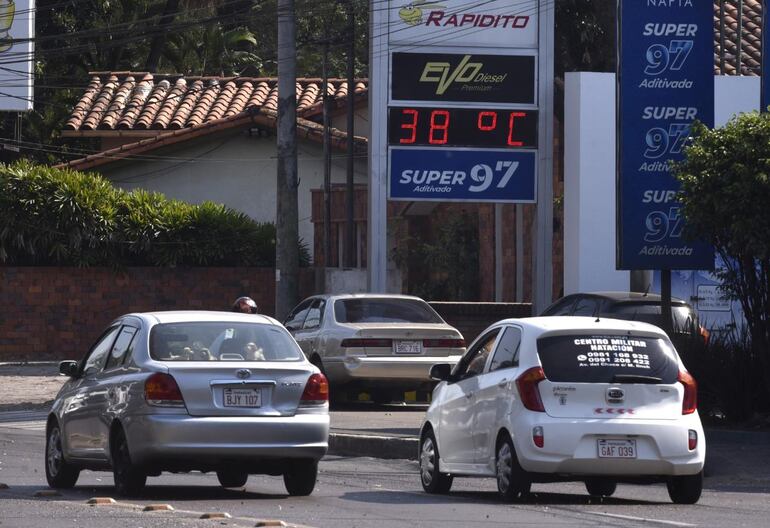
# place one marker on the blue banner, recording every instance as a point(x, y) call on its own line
point(467, 175)
point(665, 81)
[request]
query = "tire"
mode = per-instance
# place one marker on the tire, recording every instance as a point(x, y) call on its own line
point(129, 479)
point(685, 489)
point(301, 477)
point(58, 472)
point(512, 481)
point(232, 478)
point(433, 481)
point(600, 487)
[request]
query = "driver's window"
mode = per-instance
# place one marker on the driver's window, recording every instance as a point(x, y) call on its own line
point(474, 361)
point(98, 355)
point(297, 316)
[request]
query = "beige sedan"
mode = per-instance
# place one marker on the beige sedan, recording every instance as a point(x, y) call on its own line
point(381, 343)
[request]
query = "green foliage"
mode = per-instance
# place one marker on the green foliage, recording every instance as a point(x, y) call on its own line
point(61, 217)
point(447, 268)
point(725, 192)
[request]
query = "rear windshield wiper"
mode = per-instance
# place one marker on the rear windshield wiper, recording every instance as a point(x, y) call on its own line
point(635, 378)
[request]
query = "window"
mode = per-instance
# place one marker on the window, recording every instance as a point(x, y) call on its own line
point(592, 358)
point(314, 315)
point(384, 310)
point(507, 353)
point(562, 307)
point(222, 341)
point(297, 316)
point(587, 306)
point(121, 347)
point(473, 362)
point(685, 320)
point(98, 355)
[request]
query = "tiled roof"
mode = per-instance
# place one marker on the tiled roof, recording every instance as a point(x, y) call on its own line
point(265, 117)
point(735, 31)
point(116, 101)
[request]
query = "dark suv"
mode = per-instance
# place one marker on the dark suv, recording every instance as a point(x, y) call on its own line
point(630, 306)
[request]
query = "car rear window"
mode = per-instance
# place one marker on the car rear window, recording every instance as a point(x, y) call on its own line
point(684, 317)
point(374, 310)
point(607, 358)
point(222, 341)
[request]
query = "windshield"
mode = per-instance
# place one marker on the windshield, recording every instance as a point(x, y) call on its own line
point(222, 341)
point(374, 310)
point(607, 358)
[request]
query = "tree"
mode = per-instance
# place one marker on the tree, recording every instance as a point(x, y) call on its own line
point(725, 194)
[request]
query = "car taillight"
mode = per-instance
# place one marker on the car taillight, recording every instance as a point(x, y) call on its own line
point(316, 391)
point(692, 440)
point(537, 436)
point(366, 342)
point(161, 389)
point(704, 334)
point(690, 400)
point(527, 385)
point(443, 343)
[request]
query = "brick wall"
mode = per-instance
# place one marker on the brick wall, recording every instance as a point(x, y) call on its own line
point(56, 313)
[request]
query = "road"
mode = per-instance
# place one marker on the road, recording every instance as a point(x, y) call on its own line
point(352, 492)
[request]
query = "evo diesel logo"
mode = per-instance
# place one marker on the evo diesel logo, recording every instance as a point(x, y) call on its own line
point(463, 78)
point(468, 73)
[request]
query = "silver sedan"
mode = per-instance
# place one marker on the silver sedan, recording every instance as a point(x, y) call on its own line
point(376, 342)
point(183, 391)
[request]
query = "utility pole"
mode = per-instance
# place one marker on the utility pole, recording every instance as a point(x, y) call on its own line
point(350, 227)
point(286, 218)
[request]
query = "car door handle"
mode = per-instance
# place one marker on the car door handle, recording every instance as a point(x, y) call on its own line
point(502, 383)
point(469, 395)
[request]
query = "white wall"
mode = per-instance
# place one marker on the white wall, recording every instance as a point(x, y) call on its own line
point(589, 172)
point(232, 168)
point(589, 184)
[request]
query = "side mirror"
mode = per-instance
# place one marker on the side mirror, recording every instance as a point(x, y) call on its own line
point(441, 372)
point(69, 368)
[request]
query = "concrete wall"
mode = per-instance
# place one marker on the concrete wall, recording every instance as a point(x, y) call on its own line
point(589, 172)
point(589, 184)
point(233, 168)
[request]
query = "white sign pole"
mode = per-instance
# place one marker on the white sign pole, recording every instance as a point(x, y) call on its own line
point(543, 255)
point(377, 256)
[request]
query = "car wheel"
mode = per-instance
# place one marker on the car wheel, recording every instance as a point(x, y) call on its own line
point(58, 472)
point(232, 478)
point(685, 489)
point(600, 487)
point(129, 479)
point(433, 481)
point(300, 479)
point(512, 481)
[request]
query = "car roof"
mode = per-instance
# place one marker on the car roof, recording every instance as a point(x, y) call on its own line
point(193, 316)
point(622, 296)
point(368, 295)
point(561, 323)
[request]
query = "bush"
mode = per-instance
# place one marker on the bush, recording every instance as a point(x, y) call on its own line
point(59, 217)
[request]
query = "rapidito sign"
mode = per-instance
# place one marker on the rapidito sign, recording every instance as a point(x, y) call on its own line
point(665, 82)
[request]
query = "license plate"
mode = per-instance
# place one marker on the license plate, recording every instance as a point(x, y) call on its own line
point(617, 448)
point(242, 398)
point(408, 347)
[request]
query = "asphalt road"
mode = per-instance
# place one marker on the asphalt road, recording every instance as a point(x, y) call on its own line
point(354, 492)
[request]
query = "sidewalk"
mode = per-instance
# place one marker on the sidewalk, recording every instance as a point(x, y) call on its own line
point(735, 458)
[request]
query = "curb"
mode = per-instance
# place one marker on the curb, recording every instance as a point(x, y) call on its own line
point(29, 363)
point(373, 446)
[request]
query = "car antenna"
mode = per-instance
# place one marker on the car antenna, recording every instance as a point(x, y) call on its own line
point(646, 290)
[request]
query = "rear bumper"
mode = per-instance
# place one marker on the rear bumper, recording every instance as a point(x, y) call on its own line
point(177, 439)
point(408, 369)
point(571, 447)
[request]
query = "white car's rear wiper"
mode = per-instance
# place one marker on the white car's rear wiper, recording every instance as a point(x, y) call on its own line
point(635, 378)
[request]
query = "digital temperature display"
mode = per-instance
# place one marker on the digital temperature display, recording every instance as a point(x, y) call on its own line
point(462, 127)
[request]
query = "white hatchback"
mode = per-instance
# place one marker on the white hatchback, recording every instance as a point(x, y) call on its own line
point(548, 399)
